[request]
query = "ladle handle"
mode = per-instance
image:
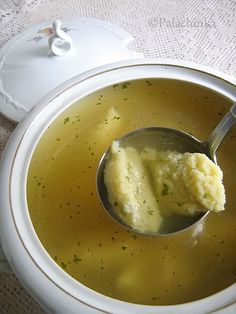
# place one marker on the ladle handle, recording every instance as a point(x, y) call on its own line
point(221, 130)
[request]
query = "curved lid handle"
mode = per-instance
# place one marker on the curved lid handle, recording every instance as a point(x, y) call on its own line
point(60, 42)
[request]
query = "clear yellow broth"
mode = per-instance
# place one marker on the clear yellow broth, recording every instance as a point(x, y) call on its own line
point(86, 242)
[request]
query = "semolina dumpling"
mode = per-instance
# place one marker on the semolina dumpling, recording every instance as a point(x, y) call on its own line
point(186, 183)
point(203, 180)
point(144, 187)
point(130, 191)
point(108, 128)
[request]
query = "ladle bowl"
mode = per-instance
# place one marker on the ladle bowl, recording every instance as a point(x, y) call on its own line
point(167, 139)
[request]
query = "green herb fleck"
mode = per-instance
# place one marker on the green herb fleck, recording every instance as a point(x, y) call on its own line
point(63, 265)
point(164, 190)
point(123, 212)
point(148, 83)
point(67, 120)
point(76, 259)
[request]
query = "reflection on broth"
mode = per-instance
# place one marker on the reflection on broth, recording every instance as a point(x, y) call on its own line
point(91, 246)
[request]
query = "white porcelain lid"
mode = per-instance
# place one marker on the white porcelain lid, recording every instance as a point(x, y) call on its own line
point(41, 58)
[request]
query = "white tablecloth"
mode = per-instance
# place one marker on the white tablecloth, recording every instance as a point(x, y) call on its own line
point(202, 31)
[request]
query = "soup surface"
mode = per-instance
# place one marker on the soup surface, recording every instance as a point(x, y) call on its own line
point(85, 241)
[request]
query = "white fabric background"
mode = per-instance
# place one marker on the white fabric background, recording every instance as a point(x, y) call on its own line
point(203, 31)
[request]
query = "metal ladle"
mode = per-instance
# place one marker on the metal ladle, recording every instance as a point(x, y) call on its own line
point(167, 139)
